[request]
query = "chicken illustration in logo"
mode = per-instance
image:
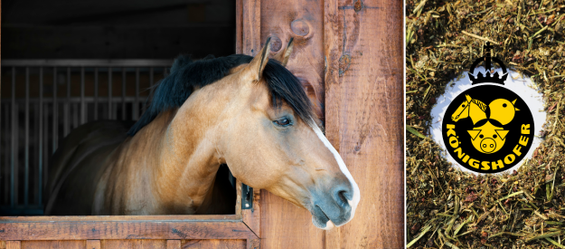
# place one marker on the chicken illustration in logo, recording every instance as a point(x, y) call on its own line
point(487, 138)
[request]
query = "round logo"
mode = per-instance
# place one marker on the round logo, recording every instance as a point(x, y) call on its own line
point(488, 129)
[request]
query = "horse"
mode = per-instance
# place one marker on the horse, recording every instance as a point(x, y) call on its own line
point(249, 113)
point(473, 108)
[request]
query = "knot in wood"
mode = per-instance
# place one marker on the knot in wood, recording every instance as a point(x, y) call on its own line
point(300, 27)
point(276, 43)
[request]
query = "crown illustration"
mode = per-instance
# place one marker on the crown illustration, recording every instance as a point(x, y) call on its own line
point(488, 77)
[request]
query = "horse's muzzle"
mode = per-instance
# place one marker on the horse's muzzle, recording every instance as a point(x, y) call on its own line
point(332, 206)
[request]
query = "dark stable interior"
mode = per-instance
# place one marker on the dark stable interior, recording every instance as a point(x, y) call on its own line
point(93, 29)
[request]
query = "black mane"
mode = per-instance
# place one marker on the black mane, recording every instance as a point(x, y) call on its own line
point(187, 75)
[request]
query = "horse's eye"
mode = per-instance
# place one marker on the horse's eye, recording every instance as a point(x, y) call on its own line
point(463, 105)
point(282, 122)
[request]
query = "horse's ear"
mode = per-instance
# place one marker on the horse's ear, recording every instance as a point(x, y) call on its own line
point(257, 65)
point(283, 55)
point(468, 97)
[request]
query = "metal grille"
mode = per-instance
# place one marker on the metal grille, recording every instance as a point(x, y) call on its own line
point(43, 100)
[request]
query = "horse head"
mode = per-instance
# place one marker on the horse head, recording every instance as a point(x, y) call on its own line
point(463, 110)
point(270, 140)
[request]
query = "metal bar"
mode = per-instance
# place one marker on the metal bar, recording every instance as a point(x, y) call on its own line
point(66, 106)
point(40, 166)
point(87, 63)
point(45, 148)
point(150, 89)
point(6, 157)
point(55, 110)
point(123, 93)
point(14, 145)
point(82, 104)
point(135, 108)
point(109, 93)
point(75, 112)
point(26, 142)
point(95, 93)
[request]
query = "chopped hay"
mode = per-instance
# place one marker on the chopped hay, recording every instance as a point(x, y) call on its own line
point(452, 209)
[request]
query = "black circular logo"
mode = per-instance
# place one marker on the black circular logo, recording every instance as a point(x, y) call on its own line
point(488, 129)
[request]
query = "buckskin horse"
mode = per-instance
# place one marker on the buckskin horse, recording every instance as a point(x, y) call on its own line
point(249, 113)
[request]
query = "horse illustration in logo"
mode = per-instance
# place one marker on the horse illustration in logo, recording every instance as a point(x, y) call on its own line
point(487, 138)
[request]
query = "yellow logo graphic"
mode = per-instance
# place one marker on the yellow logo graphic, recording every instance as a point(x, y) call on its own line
point(487, 138)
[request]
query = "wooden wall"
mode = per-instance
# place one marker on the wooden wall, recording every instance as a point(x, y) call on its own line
point(349, 57)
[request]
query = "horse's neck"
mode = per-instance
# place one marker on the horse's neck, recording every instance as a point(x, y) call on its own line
point(177, 164)
point(477, 110)
point(482, 106)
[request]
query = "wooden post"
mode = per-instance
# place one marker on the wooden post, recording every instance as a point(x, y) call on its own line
point(365, 115)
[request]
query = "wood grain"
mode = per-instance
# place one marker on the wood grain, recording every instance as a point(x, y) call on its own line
point(173, 244)
point(13, 244)
point(93, 244)
point(53, 244)
point(212, 244)
point(134, 244)
point(364, 98)
point(64, 230)
point(287, 226)
point(251, 27)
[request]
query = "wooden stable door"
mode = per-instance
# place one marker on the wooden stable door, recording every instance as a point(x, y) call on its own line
point(348, 55)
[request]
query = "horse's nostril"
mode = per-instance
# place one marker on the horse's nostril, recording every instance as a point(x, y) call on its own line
point(341, 196)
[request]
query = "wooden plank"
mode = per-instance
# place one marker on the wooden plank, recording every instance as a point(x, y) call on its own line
point(173, 244)
point(127, 229)
point(52, 244)
point(13, 244)
point(93, 244)
point(251, 27)
point(2, 244)
point(239, 26)
point(134, 244)
point(213, 244)
point(284, 225)
point(364, 98)
point(331, 76)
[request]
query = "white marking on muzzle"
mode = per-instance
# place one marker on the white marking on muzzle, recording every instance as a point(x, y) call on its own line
point(356, 193)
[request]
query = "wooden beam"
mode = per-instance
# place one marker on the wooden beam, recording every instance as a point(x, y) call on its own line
point(365, 116)
point(126, 229)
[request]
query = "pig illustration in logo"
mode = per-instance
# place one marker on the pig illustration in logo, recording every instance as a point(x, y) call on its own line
point(488, 138)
